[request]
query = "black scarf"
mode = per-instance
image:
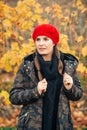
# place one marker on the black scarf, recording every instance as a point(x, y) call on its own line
point(49, 70)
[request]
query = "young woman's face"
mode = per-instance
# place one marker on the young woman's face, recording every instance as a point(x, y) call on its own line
point(44, 45)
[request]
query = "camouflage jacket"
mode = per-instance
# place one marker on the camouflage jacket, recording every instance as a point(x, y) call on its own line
point(24, 92)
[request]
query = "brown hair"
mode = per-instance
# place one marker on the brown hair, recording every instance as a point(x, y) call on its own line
point(37, 64)
point(60, 64)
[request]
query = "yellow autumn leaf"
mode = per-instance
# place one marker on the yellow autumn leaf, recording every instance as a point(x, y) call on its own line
point(27, 25)
point(84, 51)
point(19, 4)
point(7, 23)
point(57, 11)
point(29, 14)
point(21, 38)
point(38, 10)
point(15, 46)
point(27, 48)
point(48, 9)
point(79, 4)
point(7, 33)
point(64, 43)
point(81, 68)
point(14, 55)
point(7, 10)
point(42, 21)
point(24, 25)
point(66, 19)
point(23, 9)
point(84, 10)
point(8, 67)
point(5, 64)
point(30, 2)
point(74, 14)
point(15, 69)
point(80, 38)
point(4, 94)
point(36, 17)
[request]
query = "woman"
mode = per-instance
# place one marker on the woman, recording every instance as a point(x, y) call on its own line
point(44, 84)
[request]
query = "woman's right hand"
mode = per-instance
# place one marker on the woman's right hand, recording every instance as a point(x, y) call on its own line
point(42, 86)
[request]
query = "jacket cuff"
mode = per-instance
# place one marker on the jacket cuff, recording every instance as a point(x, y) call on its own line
point(36, 94)
point(70, 91)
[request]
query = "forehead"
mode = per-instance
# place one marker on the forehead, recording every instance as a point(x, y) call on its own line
point(43, 37)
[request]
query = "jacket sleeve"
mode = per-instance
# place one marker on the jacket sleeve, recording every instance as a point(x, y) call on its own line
point(20, 94)
point(71, 63)
point(76, 92)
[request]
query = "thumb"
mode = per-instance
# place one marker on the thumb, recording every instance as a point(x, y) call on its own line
point(44, 80)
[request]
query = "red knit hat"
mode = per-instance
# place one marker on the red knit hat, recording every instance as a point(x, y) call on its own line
point(46, 30)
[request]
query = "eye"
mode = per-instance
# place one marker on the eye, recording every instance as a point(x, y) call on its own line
point(46, 39)
point(37, 39)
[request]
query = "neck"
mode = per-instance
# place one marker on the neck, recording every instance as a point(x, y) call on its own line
point(47, 57)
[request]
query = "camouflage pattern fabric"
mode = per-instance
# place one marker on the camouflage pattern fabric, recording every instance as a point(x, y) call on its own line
point(24, 92)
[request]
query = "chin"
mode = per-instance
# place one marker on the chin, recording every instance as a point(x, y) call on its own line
point(42, 53)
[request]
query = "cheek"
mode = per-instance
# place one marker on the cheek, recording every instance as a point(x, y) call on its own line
point(50, 45)
point(50, 48)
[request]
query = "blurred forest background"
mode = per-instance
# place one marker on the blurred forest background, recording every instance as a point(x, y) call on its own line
point(17, 20)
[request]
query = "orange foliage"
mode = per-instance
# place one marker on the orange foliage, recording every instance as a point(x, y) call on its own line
point(18, 23)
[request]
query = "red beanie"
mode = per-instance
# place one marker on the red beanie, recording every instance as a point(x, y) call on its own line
point(46, 30)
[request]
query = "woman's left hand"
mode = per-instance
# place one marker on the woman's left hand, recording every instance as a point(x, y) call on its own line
point(68, 81)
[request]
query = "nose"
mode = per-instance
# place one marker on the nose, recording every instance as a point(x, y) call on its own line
point(41, 42)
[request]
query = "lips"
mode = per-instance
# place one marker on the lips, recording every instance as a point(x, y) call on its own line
point(42, 48)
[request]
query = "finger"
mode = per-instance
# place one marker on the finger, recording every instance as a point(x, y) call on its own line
point(43, 90)
point(68, 81)
point(44, 80)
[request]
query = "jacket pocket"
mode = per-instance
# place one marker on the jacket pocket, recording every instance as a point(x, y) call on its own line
point(23, 120)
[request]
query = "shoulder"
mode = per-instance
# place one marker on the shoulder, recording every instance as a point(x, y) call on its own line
point(27, 60)
point(70, 63)
point(29, 57)
point(68, 57)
